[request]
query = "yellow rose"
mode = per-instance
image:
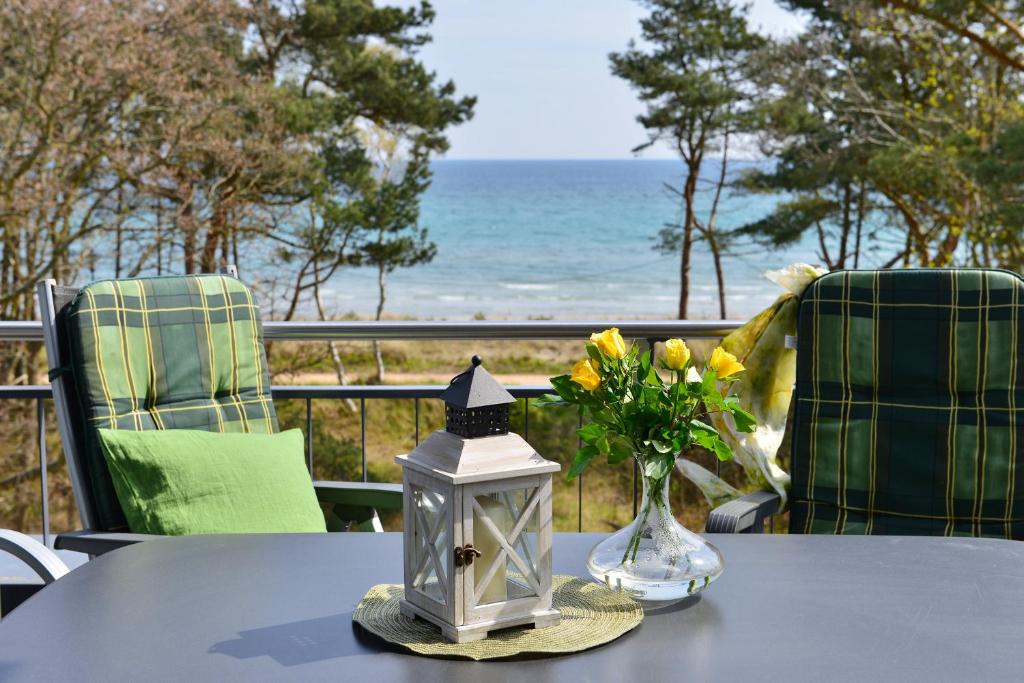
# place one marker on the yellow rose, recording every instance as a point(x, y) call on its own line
point(584, 374)
point(724, 363)
point(677, 354)
point(610, 342)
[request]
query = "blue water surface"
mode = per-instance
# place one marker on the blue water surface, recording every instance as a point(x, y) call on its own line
point(567, 240)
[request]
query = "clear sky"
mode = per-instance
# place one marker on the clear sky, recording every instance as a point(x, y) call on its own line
point(540, 71)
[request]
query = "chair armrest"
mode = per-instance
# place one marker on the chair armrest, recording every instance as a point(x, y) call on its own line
point(99, 542)
point(41, 559)
point(744, 515)
point(360, 494)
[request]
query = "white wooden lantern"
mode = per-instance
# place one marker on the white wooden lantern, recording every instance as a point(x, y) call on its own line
point(477, 519)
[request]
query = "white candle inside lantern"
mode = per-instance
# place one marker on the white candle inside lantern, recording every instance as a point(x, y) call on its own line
point(489, 547)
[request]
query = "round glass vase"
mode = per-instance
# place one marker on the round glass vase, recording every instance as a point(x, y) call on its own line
point(655, 559)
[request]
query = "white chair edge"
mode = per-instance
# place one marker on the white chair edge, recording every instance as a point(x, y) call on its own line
point(41, 559)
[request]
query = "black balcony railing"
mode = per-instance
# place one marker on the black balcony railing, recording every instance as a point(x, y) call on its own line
point(649, 332)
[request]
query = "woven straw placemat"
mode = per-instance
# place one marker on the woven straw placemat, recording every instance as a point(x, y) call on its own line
point(591, 615)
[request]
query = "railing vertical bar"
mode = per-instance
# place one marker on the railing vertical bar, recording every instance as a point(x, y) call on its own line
point(362, 432)
point(417, 404)
point(579, 484)
point(526, 418)
point(309, 434)
point(636, 480)
point(44, 488)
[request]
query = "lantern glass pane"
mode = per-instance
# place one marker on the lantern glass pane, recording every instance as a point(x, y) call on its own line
point(505, 528)
point(432, 544)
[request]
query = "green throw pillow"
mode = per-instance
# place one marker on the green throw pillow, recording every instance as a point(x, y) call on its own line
point(185, 481)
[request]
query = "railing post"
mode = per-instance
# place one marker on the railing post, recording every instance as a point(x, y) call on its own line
point(636, 474)
point(579, 484)
point(362, 433)
point(526, 418)
point(44, 488)
point(309, 434)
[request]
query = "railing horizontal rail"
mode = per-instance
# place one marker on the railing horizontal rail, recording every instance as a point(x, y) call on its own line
point(317, 391)
point(409, 330)
point(390, 391)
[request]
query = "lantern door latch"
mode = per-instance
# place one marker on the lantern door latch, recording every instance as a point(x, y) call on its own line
point(464, 554)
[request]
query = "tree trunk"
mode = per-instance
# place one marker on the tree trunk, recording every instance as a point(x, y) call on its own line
point(860, 224)
point(118, 246)
point(712, 226)
point(823, 246)
point(119, 234)
point(218, 221)
point(159, 237)
point(689, 193)
point(716, 255)
point(339, 365)
point(916, 241)
point(847, 225)
point(187, 225)
point(378, 356)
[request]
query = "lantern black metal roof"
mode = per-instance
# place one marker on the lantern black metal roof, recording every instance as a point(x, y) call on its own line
point(476, 404)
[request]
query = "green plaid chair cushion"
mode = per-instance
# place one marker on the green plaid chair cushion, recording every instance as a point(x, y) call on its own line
point(165, 353)
point(909, 395)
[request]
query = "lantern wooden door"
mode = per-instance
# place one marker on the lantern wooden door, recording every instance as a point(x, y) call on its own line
point(509, 523)
point(431, 510)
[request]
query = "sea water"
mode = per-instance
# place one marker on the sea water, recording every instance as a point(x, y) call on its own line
point(568, 240)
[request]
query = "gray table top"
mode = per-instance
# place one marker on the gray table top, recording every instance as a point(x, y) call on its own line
point(270, 607)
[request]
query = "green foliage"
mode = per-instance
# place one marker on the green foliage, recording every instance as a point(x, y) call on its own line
point(690, 73)
point(375, 115)
point(690, 78)
point(892, 125)
point(635, 411)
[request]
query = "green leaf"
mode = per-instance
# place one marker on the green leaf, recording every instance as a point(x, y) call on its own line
point(698, 426)
point(661, 446)
point(705, 439)
point(712, 399)
point(745, 422)
point(619, 449)
point(722, 450)
point(548, 400)
point(594, 352)
point(708, 383)
point(653, 378)
point(659, 467)
point(583, 458)
point(645, 364)
point(591, 432)
point(565, 387)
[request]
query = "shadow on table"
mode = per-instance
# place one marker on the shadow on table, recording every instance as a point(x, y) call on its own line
point(300, 642)
point(684, 604)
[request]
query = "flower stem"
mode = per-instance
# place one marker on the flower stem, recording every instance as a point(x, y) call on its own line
point(653, 488)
